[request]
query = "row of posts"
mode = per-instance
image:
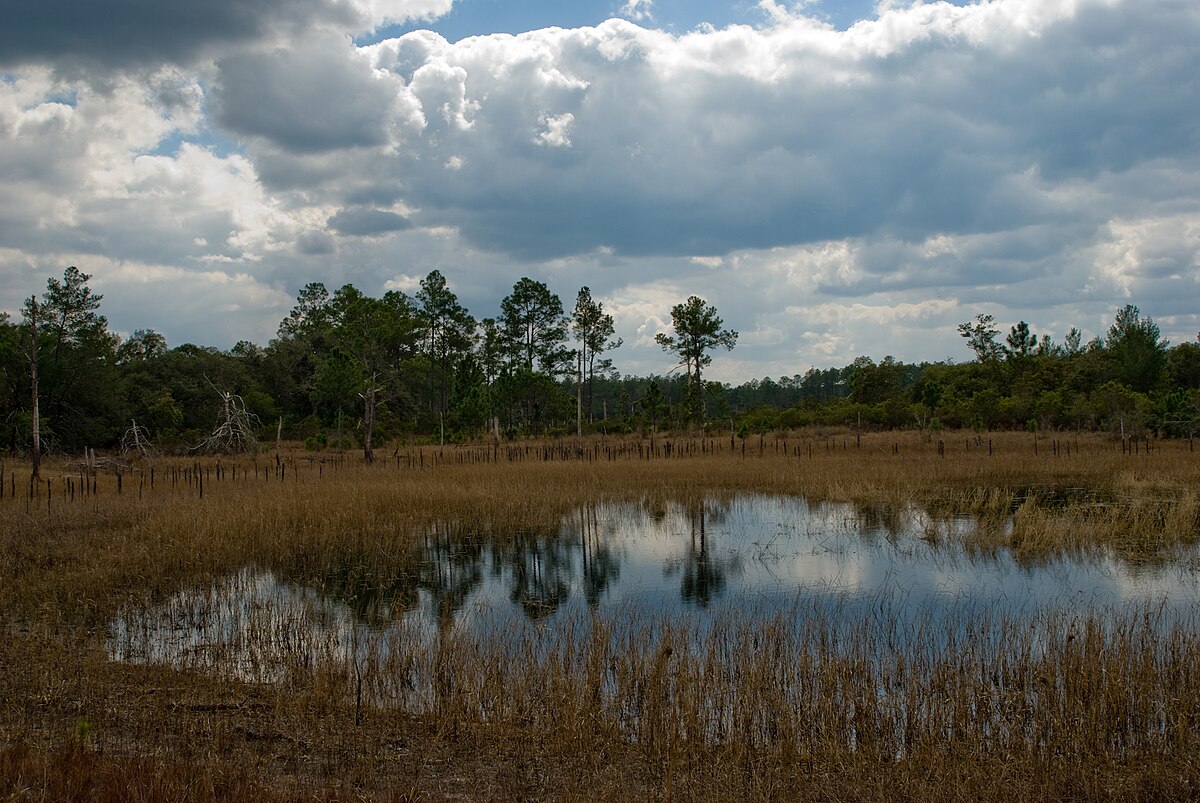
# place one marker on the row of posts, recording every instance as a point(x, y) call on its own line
point(85, 484)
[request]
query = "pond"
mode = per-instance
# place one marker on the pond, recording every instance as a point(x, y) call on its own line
point(745, 557)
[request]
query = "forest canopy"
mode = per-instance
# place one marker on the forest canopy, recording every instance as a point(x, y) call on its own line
point(344, 365)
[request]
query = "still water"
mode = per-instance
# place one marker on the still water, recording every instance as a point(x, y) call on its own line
point(748, 556)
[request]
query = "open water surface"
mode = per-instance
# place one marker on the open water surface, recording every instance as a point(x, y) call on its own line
point(750, 556)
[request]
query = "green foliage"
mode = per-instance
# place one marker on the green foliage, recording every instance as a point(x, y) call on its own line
point(77, 365)
point(21, 422)
point(162, 414)
point(761, 420)
point(472, 410)
point(653, 405)
point(871, 383)
point(84, 728)
point(594, 330)
point(1137, 352)
point(981, 337)
point(1177, 414)
point(437, 374)
point(1020, 342)
point(534, 400)
point(1182, 369)
point(697, 332)
point(144, 344)
point(1120, 409)
point(337, 384)
point(448, 333)
point(534, 329)
point(13, 380)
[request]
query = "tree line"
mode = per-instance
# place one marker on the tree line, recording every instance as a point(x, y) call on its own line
point(1130, 382)
point(347, 369)
point(344, 368)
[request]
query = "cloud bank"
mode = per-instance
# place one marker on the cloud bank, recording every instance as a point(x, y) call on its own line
point(833, 192)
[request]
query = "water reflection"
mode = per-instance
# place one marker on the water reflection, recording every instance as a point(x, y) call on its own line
point(750, 555)
point(450, 571)
point(703, 575)
point(539, 569)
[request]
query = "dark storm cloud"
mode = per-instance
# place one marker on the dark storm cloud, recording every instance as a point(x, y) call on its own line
point(360, 222)
point(87, 38)
point(309, 97)
point(834, 193)
point(958, 130)
point(314, 243)
point(132, 33)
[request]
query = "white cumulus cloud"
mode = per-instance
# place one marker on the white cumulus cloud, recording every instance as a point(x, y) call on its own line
point(1032, 158)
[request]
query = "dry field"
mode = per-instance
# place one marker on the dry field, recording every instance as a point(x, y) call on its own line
point(1076, 707)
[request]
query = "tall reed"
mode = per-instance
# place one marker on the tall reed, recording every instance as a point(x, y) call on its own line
point(1101, 705)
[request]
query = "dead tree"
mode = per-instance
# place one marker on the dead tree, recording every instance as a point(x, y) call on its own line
point(136, 441)
point(236, 427)
point(36, 424)
point(369, 401)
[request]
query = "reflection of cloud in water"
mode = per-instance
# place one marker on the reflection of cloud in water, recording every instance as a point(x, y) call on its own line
point(1176, 582)
point(738, 555)
point(254, 627)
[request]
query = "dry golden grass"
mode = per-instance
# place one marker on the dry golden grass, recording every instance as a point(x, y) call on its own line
point(1094, 708)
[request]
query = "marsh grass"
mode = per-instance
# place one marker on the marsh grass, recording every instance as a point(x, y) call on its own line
point(1103, 704)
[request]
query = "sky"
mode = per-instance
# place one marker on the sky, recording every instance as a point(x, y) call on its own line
point(838, 178)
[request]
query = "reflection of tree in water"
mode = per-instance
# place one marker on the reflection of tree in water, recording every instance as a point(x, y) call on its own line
point(373, 594)
point(704, 575)
point(541, 568)
point(600, 565)
point(448, 566)
point(451, 571)
point(878, 517)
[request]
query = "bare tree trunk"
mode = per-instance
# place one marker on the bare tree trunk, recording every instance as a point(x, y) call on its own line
point(442, 400)
point(579, 395)
point(591, 394)
point(278, 440)
point(697, 393)
point(368, 423)
point(36, 457)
